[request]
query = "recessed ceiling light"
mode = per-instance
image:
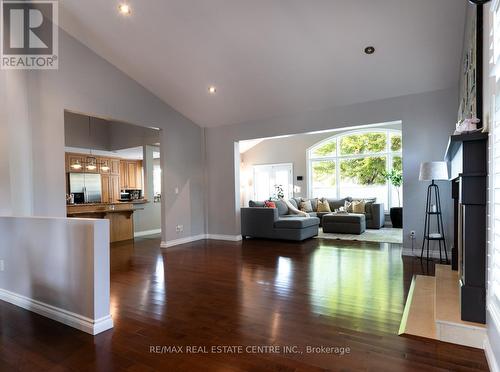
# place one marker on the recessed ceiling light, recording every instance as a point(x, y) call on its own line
point(370, 50)
point(212, 89)
point(124, 9)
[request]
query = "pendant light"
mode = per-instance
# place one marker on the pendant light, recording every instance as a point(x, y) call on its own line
point(91, 161)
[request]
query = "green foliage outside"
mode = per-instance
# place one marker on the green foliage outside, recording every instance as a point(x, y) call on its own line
point(363, 143)
point(364, 171)
point(397, 163)
point(324, 173)
point(396, 143)
point(326, 149)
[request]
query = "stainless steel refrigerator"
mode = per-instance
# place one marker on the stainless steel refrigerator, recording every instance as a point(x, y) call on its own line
point(88, 184)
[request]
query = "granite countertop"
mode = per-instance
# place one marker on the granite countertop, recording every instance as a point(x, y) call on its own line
point(105, 211)
point(138, 201)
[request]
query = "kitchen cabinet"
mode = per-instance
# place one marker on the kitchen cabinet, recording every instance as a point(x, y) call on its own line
point(91, 164)
point(110, 188)
point(114, 165)
point(73, 159)
point(131, 174)
point(109, 166)
point(104, 166)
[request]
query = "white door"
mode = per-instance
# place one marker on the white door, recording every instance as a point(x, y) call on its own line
point(267, 177)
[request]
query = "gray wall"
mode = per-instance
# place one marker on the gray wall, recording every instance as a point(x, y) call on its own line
point(289, 150)
point(106, 135)
point(87, 83)
point(61, 262)
point(428, 120)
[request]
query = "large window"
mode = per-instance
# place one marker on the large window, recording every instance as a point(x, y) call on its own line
point(353, 164)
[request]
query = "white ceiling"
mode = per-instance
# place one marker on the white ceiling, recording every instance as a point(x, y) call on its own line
point(274, 57)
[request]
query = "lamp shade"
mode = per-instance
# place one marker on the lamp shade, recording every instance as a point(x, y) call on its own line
point(433, 170)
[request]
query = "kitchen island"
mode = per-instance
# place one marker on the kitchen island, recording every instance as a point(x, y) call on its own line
point(119, 214)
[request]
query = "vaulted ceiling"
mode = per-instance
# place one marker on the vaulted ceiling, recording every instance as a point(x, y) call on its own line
point(274, 57)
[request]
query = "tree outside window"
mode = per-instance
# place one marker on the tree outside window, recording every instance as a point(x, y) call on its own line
point(354, 164)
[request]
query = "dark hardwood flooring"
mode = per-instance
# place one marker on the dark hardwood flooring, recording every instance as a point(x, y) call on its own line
point(256, 292)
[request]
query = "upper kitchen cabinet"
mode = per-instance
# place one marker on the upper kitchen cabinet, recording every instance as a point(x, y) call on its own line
point(75, 163)
point(131, 174)
point(91, 164)
point(114, 166)
point(109, 166)
point(104, 166)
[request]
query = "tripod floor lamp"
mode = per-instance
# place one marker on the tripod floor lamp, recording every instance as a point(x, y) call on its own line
point(433, 171)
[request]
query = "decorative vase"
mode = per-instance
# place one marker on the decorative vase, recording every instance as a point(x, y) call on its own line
point(397, 217)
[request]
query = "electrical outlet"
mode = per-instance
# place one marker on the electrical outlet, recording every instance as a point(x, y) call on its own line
point(2, 265)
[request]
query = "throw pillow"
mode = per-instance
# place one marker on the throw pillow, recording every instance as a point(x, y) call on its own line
point(348, 206)
point(269, 204)
point(358, 206)
point(323, 206)
point(305, 206)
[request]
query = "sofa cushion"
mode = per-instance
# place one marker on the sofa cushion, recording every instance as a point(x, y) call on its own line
point(259, 204)
point(343, 218)
point(296, 222)
point(294, 203)
point(306, 206)
point(314, 203)
point(282, 207)
point(337, 203)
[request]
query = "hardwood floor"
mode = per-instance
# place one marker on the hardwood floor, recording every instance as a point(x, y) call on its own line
point(212, 293)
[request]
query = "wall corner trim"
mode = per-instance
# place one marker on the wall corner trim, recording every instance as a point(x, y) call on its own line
point(189, 239)
point(87, 325)
point(490, 356)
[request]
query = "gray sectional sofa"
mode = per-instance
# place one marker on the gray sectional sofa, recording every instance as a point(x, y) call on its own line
point(277, 223)
point(374, 212)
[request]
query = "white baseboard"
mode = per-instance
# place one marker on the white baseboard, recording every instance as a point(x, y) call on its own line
point(146, 232)
point(490, 356)
point(416, 253)
point(189, 239)
point(231, 238)
point(461, 334)
point(69, 318)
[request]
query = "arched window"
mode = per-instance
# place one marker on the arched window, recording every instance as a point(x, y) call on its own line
point(353, 164)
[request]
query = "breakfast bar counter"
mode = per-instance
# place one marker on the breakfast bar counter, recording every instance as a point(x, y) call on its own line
point(120, 216)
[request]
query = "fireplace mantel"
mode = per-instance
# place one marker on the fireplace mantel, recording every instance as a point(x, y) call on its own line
point(467, 154)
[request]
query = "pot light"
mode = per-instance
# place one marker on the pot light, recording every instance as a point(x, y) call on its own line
point(212, 89)
point(124, 9)
point(370, 49)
